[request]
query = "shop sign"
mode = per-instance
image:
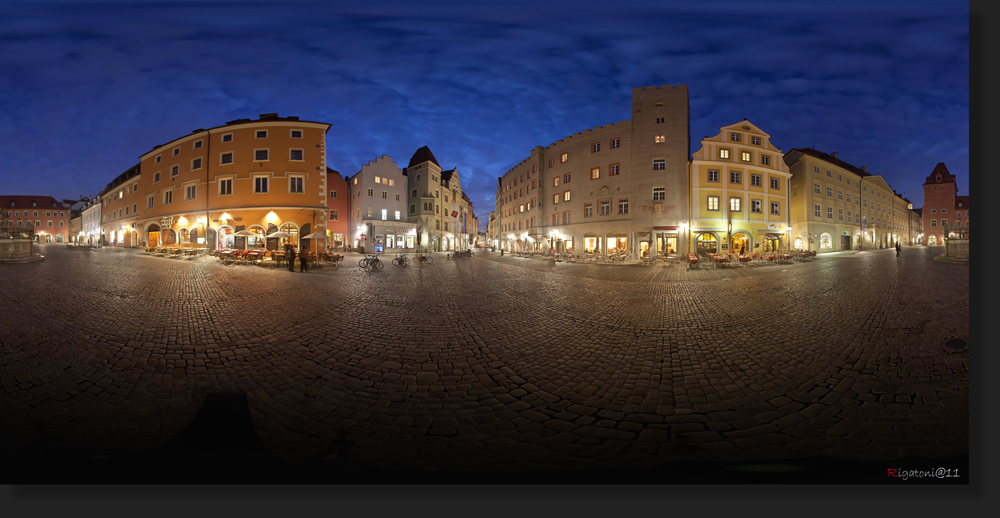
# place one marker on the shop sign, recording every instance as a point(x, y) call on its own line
point(166, 221)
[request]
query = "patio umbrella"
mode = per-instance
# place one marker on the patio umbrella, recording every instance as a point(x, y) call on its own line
point(315, 235)
point(279, 234)
point(245, 233)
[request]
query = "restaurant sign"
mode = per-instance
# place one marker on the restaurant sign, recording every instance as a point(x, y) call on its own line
point(166, 221)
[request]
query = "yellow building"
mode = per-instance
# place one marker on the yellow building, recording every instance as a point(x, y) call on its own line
point(837, 206)
point(739, 193)
point(202, 189)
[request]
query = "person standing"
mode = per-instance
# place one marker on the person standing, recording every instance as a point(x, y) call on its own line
point(303, 261)
point(898, 248)
point(290, 257)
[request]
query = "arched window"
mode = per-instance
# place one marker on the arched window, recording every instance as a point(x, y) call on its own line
point(289, 228)
point(798, 242)
point(185, 236)
point(258, 238)
point(825, 241)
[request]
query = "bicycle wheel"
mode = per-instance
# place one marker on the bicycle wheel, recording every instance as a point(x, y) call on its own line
point(427, 259)
point(377, 263)
point(395, 262)
point(364, 263)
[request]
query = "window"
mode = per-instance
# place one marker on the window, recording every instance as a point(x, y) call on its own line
point(745, 156)
point(933, 211)
point(724, 153)
point(756, 206)
point(196, 164)
point(555, 198)
point(613, 170)
point(225, 187)
point(933, 222)
point(659, 164)
point(552, 163)
point(816, 188)
point(564, 157)
point(713, 175)
point(197, 144)
point(261, 133)
point(226, 158)
point(566, 196)
point(259, 155)
point(295, 184)
point(260, 184)
point(944, 210)
point(755, 141)
point(829, 191)
point(296, 133)
point(734, 137)
point(168, 197)
point(177, 151)
point(555, 221)
point(765, 159)
point(595, 173)
point(566, 178)
point(660, 120)
point(659, 139)
point(659, 193)
point(713, 203)
point(149, 202)
point(126, 210)
point(848, 181)
point(818, 210)
point(157, 161)
point(588, 210)
point(397, 196)
point(191, 192)
point(735, 177)
point(174, 170)
point(50, 223)
point(848, 215)
point(840, 195)
point(848, 197)
point(295, 155)
point(840, 213)
point(228, 137)
point(385, 196)
point(829, 212)
point(828, 173)
point(555, 182)
point(775, 208)
point(734, 204)
point(756, 180)
point(605, 207)
point(775, 183)
point(623, 206)
point(371, 192)
point(595, 147)
point(615, 143)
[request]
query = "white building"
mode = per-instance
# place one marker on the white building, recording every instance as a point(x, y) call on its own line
point(378, 208)
point(91, 215)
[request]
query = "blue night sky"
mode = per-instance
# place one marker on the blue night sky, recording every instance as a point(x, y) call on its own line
point(89, 87)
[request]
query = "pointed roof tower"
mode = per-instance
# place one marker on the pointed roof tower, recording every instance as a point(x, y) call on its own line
point(423, 155)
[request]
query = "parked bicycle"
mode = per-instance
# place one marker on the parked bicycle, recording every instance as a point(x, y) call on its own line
point(370, 263)
point(422, 258)
point(460, 255)
point(401, 260)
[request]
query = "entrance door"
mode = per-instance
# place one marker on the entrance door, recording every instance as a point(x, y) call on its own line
point(845, 242)
point(154, 239)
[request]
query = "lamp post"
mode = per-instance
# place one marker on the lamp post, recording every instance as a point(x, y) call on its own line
point(729, 236)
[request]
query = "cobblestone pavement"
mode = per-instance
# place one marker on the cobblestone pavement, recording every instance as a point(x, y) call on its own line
point(496, 364)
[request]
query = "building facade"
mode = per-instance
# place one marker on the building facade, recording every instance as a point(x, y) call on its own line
point(836, 206)
point(47, 216)
point(201, 189)
point(611, 189)
point(378, 218)
point(944, 212)
point(739, 193)
point(437, 206)
point(339, 206)
point(91, 216)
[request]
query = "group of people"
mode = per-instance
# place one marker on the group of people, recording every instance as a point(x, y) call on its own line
point(290, 258)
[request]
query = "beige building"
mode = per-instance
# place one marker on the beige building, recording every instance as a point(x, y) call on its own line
point(378, 208)
point(837, 206)
point(437, 205)
point(614, 188)
point(739, 193)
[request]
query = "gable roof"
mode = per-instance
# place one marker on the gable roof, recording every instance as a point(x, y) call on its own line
point(941, 170)
point(791, 158)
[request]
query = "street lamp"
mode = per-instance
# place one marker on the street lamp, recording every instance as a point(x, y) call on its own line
point(729, 236)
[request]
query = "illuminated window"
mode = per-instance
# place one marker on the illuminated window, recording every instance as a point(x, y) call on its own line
point(724, 153)
point(735, 204)
point(745, 156)
point(564, 157)
point(713, 203)
point(566, 196)
point(595, 173)
point(660, 139)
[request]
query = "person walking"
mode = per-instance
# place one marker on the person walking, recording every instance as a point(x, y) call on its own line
point(898, 248)
point(290, 257)
point(303, 261)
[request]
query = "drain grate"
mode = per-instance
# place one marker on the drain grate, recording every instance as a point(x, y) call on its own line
point(957, 343)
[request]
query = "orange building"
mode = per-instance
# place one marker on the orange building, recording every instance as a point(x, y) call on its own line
point(201, 190)
point(339, 206)
point(48, 217)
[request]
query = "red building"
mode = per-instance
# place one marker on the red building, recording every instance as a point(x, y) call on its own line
point(49, 217)
point(943, 209)
point(339, 206)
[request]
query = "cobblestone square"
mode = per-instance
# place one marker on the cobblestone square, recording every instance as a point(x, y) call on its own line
point(492, 364)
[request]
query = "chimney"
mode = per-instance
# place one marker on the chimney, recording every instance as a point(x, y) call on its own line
point(864, 168)
point(834, 154)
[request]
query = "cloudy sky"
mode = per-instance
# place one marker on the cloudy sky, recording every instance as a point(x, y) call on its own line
point(86, 88)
